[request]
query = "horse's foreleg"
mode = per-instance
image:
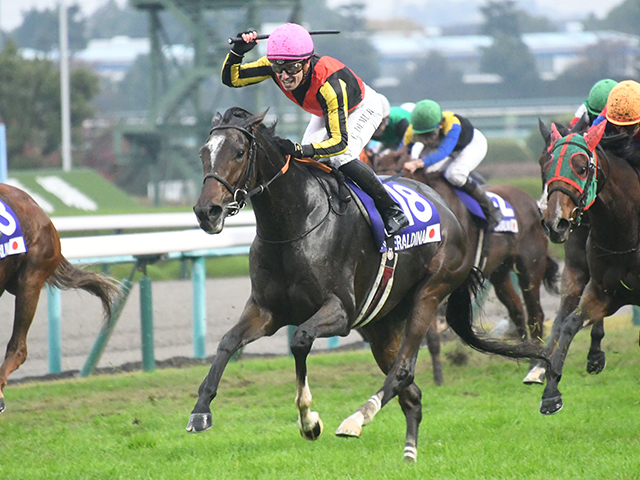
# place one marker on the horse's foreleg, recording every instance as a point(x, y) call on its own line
point(506, 293)
point(26, 302)
point(411, 402)
point(593, 306)
point(330, 320)
point(596, 360)
point(254, 323)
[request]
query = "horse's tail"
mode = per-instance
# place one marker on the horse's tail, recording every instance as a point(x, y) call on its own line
point(551, 279)
point(68, 276)
point(460, 318)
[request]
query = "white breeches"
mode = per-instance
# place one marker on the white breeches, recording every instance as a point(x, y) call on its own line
point(362, 123)
point(459, 165)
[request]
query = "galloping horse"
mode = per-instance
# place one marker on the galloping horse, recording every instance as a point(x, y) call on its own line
point(24, 274)
point(575, 274)
point(524, 253)
point(603, 185)
point(313, 264)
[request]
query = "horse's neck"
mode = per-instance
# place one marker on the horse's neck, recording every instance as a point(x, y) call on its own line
point(617, 207)
point(283, 210)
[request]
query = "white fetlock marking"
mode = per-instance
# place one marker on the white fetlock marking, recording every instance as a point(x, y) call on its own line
point(410, 453)
point(306, 418)
point(371, 411)
point(535, 375)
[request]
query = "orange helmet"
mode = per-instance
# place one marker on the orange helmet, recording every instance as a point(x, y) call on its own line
point(623, 104)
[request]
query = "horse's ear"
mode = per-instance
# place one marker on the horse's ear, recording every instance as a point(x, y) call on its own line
point(255, 120)
point(544, 130)
point(581, 124)
point(216, 120)
point(593, 135)
point(555, 134)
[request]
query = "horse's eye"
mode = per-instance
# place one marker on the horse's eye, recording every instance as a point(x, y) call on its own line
point(241, 152)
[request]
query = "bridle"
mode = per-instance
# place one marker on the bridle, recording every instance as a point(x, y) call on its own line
point(575, 218)
point(242, 194)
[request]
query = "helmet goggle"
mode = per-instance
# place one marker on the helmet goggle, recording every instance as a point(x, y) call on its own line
point(291, 68)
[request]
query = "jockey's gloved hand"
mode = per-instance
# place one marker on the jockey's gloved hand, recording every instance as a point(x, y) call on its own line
point(287, 147)
point(242, 47)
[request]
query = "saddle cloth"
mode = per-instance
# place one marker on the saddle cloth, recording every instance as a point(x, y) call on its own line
point(11, 239)
point(509, 223)
point(424, 219)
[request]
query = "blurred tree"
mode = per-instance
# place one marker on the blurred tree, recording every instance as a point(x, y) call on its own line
point(110, 20)
point(39, 30)
point(432, 78)
point(508, 56)
point(623, 18)
point(30, 107)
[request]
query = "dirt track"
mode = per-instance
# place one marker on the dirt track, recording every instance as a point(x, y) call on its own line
point(173, 330)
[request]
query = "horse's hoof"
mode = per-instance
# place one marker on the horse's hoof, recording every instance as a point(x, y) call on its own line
point(2, 405)
point(199, 422)
point(597, 366)
point(549, 406)
point(315, 431)
point(410, 454)
point(349, 428)
point(535, 376)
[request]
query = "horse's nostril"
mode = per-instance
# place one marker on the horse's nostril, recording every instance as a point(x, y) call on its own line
point(215, 211)
point(563, 225)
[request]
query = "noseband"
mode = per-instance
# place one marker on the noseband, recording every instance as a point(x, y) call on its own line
point(241, 195)
point(575, 218)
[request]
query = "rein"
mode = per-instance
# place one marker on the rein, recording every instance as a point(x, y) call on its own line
point(239, 203)
point(241, 195)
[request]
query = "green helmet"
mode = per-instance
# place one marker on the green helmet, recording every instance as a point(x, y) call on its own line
point(426, 116)
point(598, 95)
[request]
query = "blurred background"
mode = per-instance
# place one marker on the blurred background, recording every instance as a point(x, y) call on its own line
point(144, 78)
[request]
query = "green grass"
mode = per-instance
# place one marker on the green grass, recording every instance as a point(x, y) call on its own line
point(482, 424)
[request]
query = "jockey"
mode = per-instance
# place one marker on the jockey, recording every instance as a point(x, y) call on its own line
point(622, 111)
point(344, 111)
point(391, 131)
point(596, 101)
point(456, 149)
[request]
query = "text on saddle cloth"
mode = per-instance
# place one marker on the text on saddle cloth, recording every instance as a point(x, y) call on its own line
point(509, 223)
point(11, 239)
point(424, 219)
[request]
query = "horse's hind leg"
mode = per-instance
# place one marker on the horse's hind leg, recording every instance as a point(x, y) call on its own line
point(26, 302)
point(433, 344)
point(253, 324)
point(506, 293)
point(330, 320)
point(596, 361)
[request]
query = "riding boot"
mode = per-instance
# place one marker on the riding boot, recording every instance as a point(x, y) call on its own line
point(493, 213)
point(392, 215)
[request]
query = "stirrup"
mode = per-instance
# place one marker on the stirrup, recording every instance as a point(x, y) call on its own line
point(394, 220)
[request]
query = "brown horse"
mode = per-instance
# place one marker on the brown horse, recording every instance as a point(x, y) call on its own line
point(24, 274)
point(604, 186)
point(524, 253)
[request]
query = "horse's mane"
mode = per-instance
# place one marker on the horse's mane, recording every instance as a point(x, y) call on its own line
point(622, 146)
point(238, 116)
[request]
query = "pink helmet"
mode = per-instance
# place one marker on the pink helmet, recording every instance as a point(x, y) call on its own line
point(289, 42)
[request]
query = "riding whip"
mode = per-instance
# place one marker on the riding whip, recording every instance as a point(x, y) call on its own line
point(262, 37)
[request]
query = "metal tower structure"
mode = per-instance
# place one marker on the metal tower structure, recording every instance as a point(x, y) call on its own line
point(165, 145)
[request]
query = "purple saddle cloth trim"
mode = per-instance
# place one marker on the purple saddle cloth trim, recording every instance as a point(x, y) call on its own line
point(377, 227)
point(508, 224)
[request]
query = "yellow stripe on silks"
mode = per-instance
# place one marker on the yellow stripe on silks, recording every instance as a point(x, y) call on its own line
point(236, 81)
point(334, 112)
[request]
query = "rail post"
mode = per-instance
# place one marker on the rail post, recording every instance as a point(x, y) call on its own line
point(198, 276)
point(146, 321)
point(55, 336)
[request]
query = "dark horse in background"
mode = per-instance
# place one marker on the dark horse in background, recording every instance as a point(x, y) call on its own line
point(524, 253)
point(312, 265)
point(575, 173)
point(575, 274)
point(24, 274)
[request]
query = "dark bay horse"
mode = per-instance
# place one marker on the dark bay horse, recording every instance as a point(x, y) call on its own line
point(575, 274)
point(312, 265)
point(524, 253)
point(24, 274)
point(603, 186)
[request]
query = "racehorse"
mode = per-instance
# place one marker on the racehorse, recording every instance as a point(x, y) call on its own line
point(604, 186)
point(524, 253)
point(24, 274)
point(312, 265)
point(575, 274)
